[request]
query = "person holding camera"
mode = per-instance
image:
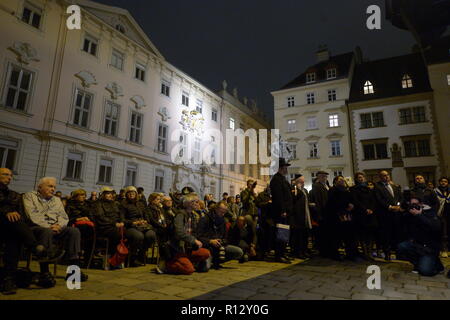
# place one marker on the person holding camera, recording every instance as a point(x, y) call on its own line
point(423, 242)
point(249, 209)
point(188, 254)
point(212, 233)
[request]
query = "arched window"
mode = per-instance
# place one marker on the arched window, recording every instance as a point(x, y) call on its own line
point(368, 87)
point(407, 82)
point(120, 28)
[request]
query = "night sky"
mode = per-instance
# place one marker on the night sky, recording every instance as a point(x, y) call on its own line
point(259, 45)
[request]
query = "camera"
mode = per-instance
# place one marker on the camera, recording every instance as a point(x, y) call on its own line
point(254, 184)
point(414, 206)
point(222, 253)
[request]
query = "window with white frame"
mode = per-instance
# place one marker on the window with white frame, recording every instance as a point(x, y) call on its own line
point(290, 101)
point(111, 118)
point(117, 59)
point(212, 188)
point(332, 95)
point(136, 127)
point(162, 137)
point(292, 148)
point(338, 172)
point(165, 88)
point(372, 120)
point(32, 15)
point(335, 148)
point(313, 149)
point(407, 82)
point(199, 106)
point(106, 171)
point(132, 170)
point(310, 77)
point(368, 87)
point(185, 99)
point(139, 72)
point(8, 153)
point(90, 45)
point(197, 154)
point(291, 125)
point(214, 115)
point(331, 73)
point(311, 123)
point(182, 153)
point(19, 87)
point(82, 108)
point(231, 190)
point(412, 115)
point(74, 166)
point(310, 98)
point(232, 123)
point(159, 180)
point(333, 120)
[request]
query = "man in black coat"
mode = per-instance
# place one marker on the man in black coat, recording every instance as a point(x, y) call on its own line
point(281, 206)
point(364, 214)
point(212, 233)
point(318, 197)
point(389, 198)
point(14, 230)
point(423, 241)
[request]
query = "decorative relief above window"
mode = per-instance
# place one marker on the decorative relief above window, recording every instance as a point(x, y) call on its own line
point(25, 52)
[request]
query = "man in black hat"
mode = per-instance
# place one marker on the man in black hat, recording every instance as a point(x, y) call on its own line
point(281, 206)
point(319, 198)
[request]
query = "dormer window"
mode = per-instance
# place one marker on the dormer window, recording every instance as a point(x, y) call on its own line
point(368, 87)
point(331, 73)
point(406, 82)
point(120, 28)
point(310, 77)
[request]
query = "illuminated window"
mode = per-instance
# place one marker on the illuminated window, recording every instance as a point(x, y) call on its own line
point(406, 82)
point(333, 120)
point(368, 88)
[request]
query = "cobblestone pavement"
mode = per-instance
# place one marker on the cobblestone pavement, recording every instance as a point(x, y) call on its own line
point(316, 279)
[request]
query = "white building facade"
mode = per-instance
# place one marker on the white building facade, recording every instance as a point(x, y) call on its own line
point(312, 117)
point(101, 106)
point(393, 121)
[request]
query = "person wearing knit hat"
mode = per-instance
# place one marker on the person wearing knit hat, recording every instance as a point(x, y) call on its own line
point(139, 231)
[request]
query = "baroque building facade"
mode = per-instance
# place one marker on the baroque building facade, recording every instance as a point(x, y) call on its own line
point(311, 114)
point(101, 106)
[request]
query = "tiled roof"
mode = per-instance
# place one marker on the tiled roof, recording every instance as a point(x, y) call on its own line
point(386, 77)
point(341, 62)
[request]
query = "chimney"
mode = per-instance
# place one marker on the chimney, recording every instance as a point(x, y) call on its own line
point(358, 55)
point(323, 54)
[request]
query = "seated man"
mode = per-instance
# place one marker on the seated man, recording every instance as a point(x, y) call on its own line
point(422, 246)
point(49, 221)
point(14, 231)
point(212, 233)
point(188, 254)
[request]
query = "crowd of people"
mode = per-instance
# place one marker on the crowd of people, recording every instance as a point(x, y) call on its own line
point(285, 221)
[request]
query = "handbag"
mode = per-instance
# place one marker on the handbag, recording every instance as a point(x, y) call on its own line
point(121, 252)
point(283, 232)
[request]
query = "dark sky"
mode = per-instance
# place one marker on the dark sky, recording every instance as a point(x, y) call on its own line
point(259, 45)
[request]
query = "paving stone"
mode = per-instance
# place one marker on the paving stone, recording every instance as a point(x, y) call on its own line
point(303, 295)
point(238, 293)
point(365, 296)
point(429, 283)
point(264, 296)
point(276, 291)
point(399, 295)
point(331, 292)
